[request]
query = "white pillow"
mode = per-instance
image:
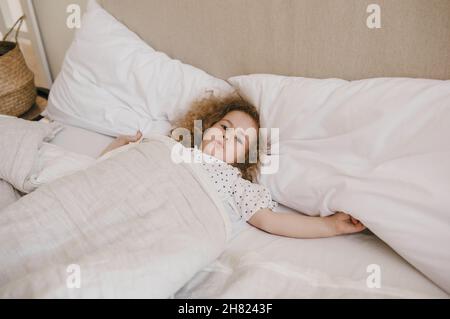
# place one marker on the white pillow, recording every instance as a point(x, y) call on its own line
point(377, 149)
point(113, 83)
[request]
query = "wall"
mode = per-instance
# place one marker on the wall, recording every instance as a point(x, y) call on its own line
point(326, 38)
point(57, 37)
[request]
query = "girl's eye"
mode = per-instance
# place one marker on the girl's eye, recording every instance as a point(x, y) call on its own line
point(223, 126)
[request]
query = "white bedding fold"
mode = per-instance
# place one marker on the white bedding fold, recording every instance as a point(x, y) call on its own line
point(20, 142)
point(8, 194)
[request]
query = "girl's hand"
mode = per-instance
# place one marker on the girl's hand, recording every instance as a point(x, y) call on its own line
point(346, 224)
point(127, 139)
point(122, 141)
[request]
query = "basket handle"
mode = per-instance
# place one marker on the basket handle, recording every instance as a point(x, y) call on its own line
point(19, 21)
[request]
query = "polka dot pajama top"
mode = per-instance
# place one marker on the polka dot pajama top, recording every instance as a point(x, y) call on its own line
point(243, 198)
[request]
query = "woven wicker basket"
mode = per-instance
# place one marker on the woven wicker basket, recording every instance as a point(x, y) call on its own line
point(17, 89)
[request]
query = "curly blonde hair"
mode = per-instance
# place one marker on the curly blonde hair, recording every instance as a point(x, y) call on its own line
point(211, 110)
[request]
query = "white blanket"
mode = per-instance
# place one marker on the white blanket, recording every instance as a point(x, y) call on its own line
point(378, 149)
point(133, 225)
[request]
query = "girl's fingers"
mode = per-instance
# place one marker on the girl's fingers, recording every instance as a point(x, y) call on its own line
point(138, 135)
point(355, 227)
point(360, 226)
point(135, 138)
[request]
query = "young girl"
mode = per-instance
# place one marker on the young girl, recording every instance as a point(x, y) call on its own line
point(232, 117)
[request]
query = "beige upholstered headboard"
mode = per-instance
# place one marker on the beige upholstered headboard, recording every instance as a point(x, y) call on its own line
point(311, 38)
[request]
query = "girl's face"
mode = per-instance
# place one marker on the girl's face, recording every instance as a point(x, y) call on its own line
point(229, 139)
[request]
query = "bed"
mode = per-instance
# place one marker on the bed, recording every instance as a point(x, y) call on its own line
point(259, 265)
point(256, 264)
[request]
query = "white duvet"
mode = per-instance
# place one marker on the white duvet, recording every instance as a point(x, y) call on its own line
point(133, 225)
point(378, 149)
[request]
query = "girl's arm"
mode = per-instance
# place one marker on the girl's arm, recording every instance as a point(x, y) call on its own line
point(300, 226)
point(121, 141)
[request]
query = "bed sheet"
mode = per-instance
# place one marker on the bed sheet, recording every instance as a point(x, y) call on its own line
point(81, 141)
